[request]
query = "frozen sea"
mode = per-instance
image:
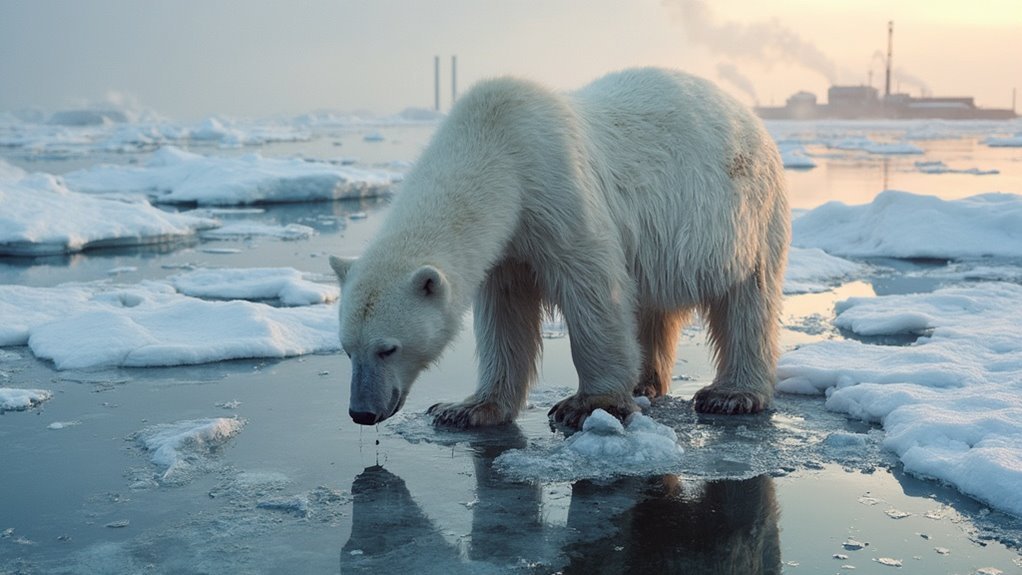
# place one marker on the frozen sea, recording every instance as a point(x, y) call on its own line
point(172, 399)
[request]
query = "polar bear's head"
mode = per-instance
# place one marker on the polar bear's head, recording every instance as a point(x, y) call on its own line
point(395, 319)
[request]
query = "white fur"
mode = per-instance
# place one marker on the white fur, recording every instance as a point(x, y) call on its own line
point(628, 204)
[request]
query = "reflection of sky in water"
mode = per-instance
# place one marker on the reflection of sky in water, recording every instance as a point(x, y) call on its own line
point(302, 489)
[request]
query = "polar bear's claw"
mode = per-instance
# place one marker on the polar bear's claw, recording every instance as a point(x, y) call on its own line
point(571, 412)
point(468, 414)
point(713, 399)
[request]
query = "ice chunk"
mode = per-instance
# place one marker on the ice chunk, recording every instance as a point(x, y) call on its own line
point(603, 448)
point(903, 225)
point(13, 399)
point(813, 270)
point(288, 285)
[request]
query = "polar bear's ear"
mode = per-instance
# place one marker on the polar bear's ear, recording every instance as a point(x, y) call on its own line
point(341, 266)
point(429, 282)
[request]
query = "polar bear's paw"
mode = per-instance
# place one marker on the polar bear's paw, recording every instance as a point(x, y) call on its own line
point(572, 411)
point(730, 401)
point(469, 413)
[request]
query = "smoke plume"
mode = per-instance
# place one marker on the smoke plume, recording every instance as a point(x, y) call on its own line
point(764, 42)
point(729, 73)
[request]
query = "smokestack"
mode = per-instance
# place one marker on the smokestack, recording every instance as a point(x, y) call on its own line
point(436, 83)
point(454, 79)
point(890, 49)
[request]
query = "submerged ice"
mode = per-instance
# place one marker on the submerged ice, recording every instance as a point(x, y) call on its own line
point(178, 447)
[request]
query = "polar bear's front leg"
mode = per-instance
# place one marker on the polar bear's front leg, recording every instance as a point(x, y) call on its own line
point(598, 309)
point(508, 317)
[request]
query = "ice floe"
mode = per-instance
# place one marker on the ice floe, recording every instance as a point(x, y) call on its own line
point(950, 403)
point(939, 167)
point(863, 144)
point(794, 156)
point(603, 448)
point(905, 225)
point(812, 270)
point(42, 216)
point(173, 175)
point(288, 285)
point(250, 229)
point(150, 324)
point(1004, 141)
point(13, 399)
point(179, 446)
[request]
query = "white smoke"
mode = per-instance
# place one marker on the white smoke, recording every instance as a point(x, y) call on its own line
point(901, 76)
point(765, 42)
point(729, 73)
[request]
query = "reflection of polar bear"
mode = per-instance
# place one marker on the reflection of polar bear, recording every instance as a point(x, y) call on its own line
point(627, 205)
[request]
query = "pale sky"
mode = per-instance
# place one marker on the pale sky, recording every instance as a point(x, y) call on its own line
point(191, 58)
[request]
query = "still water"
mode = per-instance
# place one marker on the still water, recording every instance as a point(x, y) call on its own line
point(301, 489)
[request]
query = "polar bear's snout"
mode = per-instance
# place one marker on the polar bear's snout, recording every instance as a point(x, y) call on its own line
point(374, 396)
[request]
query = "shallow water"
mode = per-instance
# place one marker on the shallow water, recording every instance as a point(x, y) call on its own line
point(301, 489)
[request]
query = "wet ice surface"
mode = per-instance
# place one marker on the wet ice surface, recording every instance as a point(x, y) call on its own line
point(299, 488)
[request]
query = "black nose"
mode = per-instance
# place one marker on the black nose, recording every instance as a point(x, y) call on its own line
point(363, 417)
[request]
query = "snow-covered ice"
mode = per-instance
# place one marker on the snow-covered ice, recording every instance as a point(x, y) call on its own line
point(812, 270)
point(150, 324)
point(290, 286)
point(603, 448)
point(42, 216)
point(173, 175)
point(951, 403)
point(905, 225)
point(176, 447)
point(14, 399)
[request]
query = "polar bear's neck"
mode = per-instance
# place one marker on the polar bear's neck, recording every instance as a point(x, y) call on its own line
point(456, 210)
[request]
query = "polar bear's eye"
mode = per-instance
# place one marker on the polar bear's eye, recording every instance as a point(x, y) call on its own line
point(386, 352)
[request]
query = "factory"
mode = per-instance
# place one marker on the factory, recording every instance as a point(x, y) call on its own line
point(866, 102)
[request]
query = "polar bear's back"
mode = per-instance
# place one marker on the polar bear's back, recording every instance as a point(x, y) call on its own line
point(689, 173)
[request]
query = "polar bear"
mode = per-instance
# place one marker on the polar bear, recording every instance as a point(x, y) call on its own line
point(627, 206)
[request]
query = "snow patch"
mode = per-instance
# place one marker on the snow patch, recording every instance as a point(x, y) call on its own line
point(904, 225)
